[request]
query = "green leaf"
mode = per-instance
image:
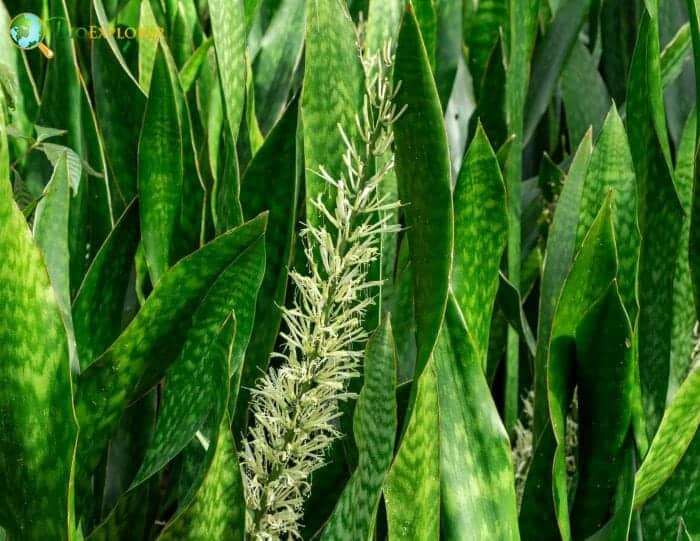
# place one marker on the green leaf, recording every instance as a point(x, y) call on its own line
point(676, 430)
point(522, 24)
point(477, 493)
point(51, 224)
point(331, 96)
point(218, 509)
point(683, 309)
point(194, 380)
point(277, 62)
point(157, 333)
point(61, 108)
point(481, 34)
point(383, 23)
point(105, 286)
point(561, 248)
point(677, 500)
point(480, 228)
point(228, 28)
point(190, 71)
point(694, 241)
point(271, 182)
point(549, 59)
point(115, 92)
point(160, 170)
point(147, 47)
point(611, 169)
point(38, 429)
point(675, 56)
point(412, 489)
point(448, 49)
point(490, 110)
point(660, 220)
point(582, 292)
point(374, 430)
point(585, 94)
point(604, 374)
point(423, 172)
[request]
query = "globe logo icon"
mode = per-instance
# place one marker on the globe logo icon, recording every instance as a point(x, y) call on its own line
point(27, 32)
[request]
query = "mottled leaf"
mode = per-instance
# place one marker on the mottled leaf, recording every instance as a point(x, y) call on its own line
point(97, 309)
point(477, 491)
point(37, 423)
point(374, 431)
point(160, 170)
point(676, 430)
point(140, 356)
point(228, 28)
point(412, 490)
point(481, 226)
point(423, 172)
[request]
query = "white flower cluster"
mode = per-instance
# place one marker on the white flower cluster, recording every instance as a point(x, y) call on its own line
point(295, 406)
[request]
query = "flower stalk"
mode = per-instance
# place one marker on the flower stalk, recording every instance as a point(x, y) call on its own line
point(295, 406)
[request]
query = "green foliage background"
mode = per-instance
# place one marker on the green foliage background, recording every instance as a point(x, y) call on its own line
point(534, 369)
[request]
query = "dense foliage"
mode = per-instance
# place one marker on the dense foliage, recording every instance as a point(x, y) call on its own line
point(363, 269)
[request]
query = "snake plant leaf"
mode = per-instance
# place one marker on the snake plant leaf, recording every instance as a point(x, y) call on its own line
point(677, 500)
point(132, 517)
point(426, 16)
point(618, 527)
point(195, 387)
point(147, 47)
point(423, 172)
point(675, 55)
point(549, 58)
point(584, 93)
point(604, 373)
point(509, 301)
point(218, 509)
point(190, 70)
point(448, 47)
point(481, 33)
point(694, 241)
point(97, 309)
point(480, 228)
point(683, 309)
point(561, 248)
point(116, 91)
point(228, 28)
point(192, 380)
point(61, 108)
point(38, 429)
point(51, 224)
point(278, 60)
point(157, 332)
point(331, 96)
point(412, 489)
point(383, 23)
point(490, 109)
point(660, 220)
point(100, 208)
point(374, 430)
point(160, 170)
point(676, 431)
point(271, 182)
point(522, 26)
point(611, 169)
point(581, 292)
point(477, 492)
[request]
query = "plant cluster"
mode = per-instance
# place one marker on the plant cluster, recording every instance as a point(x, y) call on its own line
point(349, 270)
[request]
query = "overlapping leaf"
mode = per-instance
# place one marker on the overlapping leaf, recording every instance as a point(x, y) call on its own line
point(423, 172)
